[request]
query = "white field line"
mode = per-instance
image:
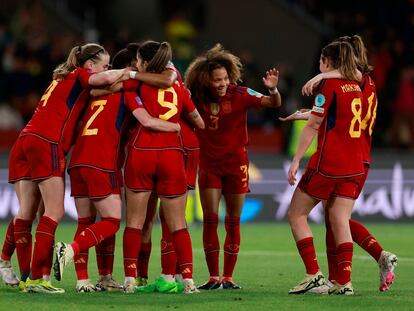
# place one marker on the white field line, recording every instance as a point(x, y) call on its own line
point(292, 254)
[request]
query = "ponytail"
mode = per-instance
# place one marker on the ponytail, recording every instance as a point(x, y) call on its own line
point(77, 58)
point(360, 52)
point(156, 54)
point(342, 56)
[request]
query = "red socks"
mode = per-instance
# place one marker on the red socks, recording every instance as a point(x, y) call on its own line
point(307, 252)
point(168, 255)
point(231, 245)
point(43, 246)
point(9, 245)
point(95, 234)
point(143, 259)
point(183, 248)
point(132, 244)
point(363, 238)
point(23, 242)
point(105, 255)
point(81, 259)
point(211, 243)
point(344, 254)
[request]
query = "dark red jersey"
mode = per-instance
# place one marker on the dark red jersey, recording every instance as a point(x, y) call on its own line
point(226, 122)
point(98, 143)
point(339, 151)
point(369, 114)
point(190, 140)
point(59, 108)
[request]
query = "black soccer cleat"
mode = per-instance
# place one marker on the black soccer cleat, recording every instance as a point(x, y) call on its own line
point(210, 285)
point(229, 285)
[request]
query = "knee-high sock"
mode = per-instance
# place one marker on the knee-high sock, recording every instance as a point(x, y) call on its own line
point(81, 259)
point(105, 255)
point(364, 238)
point(344, 254)
point(307, 253)
point(8, 245)
point(211, 243)
point(23, 242)
point(143, 259)
point(184, 251)
point(168, 255)
point(231, 245)
point(132, 244)
point(45, 237)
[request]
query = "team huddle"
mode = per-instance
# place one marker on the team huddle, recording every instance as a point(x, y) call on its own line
point(141, 128)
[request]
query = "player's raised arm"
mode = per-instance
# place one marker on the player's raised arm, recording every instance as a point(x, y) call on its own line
point(270, 82)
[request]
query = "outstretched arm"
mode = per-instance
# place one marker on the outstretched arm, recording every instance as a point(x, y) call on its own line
point(162, 80)
point(154, 123)
point(108, 77)
point(116, 87)
point(195, 119)
point(270, 82)
point(302, 114)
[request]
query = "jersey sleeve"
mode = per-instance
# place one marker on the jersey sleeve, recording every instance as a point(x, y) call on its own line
point(130, 85)
point(84, 76)
point(251, 98)
point(323, 99)
point(132, 101)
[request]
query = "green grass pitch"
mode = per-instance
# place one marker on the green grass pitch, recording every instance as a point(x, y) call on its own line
point(268, 266)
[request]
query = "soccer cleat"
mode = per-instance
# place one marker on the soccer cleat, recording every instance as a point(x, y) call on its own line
point(64, 256)
point(338, 289)
point(229, 285)
point(129, 285)
point(310, 281)
point(107, 283)
point(164, 286)
point(141, 281)
point(323, 289)
point(189, 287)
point(386, 263)
point(42, 286)
point(22, 286)
point(149, 288)
point(210, 284)
point(7, 273)
point(85, 286)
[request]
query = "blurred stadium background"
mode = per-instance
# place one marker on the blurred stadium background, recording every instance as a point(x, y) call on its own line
point(287, 34)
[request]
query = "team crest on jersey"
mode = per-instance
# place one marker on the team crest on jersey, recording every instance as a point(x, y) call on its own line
point(214, 108)
point(226, 106)
point(254, 93)
point(319, 100)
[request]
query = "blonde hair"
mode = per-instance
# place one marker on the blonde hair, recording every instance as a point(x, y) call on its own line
point(342, 56)
point(197, 75)
point(77, 58)
point(360, 52)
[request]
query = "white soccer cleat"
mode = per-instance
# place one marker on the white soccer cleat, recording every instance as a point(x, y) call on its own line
point(310, 281)
point(85, 286)
point(189, 287)
point(338, 289)
point(323, 289)
point(107, 283)
point(7, 273)
point(386, 263)
point(64, 256)
point(129, 285)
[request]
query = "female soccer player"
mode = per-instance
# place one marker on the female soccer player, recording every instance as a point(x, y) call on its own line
point(155, 163)
point(37, 160)
point(211, 79)
point(386, 260)
point(335, 171)
point(97, 180)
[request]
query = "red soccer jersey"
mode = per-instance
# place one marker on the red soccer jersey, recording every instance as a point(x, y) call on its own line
point(98, 143)
point(226, 122)
point(369, 114)
point(59, 108)
point(165, 104)
point(339, 152)
point(190, 140)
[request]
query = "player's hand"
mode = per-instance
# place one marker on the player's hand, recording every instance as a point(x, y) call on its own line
point(309, 86)
point(271, 79)
point(301, 114)
point(293, 169)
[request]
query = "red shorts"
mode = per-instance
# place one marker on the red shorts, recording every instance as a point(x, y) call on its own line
point(88, 182)
point(230, 175)
point(363, 179)
point(322, 188)
point(161, 171)
point(35, 159)
point(192, 158)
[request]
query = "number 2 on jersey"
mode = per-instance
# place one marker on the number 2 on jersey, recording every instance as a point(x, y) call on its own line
point(172, 105)
point(101, 106)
